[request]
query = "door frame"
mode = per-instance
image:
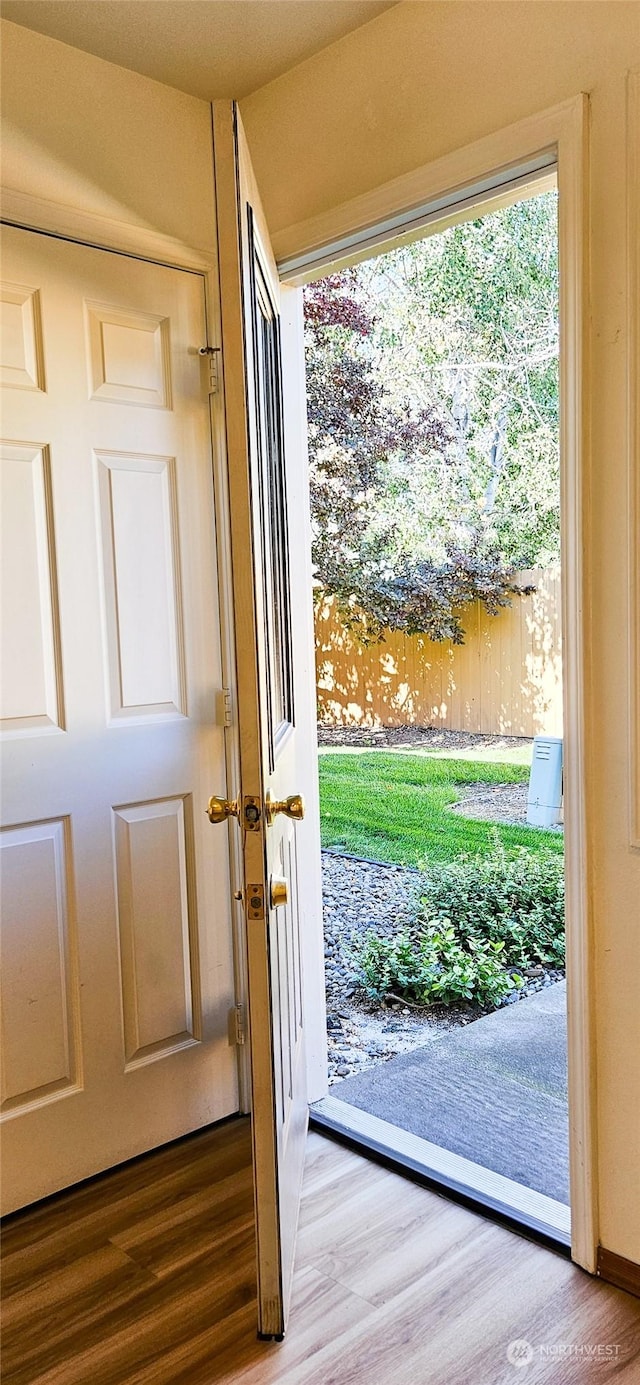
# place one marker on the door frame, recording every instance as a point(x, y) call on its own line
point(30, 213)
point(494, 170)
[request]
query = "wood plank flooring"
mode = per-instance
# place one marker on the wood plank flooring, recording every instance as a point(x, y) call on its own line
point(146, 1276)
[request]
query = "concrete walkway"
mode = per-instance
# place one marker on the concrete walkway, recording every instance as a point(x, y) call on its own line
point(494, 1091)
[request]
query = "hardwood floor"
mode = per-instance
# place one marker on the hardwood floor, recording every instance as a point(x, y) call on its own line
point(146, 1277)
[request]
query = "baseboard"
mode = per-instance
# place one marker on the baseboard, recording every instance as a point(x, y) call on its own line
point(625, 1274)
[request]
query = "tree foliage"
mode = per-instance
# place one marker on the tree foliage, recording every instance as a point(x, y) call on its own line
point(432, 395)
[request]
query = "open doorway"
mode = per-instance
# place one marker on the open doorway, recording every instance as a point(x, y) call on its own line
point(433, 394)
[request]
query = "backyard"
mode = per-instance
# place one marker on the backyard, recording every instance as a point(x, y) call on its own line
point(432, 390)
point(432, 393)
point(432, 916)
point(397, 807)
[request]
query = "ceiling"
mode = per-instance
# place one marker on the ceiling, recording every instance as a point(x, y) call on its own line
point(208, 48)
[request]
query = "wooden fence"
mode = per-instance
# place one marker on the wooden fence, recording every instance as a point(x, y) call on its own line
point(506, 679)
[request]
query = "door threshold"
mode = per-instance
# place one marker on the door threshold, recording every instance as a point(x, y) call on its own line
point(522, 1208)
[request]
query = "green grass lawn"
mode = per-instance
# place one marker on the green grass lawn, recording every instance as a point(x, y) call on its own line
point(394, 807)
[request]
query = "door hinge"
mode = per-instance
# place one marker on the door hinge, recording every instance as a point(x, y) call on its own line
point(212, 353)
point(226, 707)
point(237, 1025)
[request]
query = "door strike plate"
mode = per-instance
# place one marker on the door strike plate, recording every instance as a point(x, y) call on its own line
point(255, 901)
point(211, 354)
point(252, 813)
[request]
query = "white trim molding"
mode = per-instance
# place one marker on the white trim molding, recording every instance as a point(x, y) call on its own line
point(575, 457)
point(104, 232)
point(633, 302)
point(492, 171)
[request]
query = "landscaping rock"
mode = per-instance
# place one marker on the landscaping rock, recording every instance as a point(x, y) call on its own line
point(359, 895)
point(497, 803)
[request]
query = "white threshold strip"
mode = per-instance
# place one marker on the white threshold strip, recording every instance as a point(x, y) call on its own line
point(492, 1190)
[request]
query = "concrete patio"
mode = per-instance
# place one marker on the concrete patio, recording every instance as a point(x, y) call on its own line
point(494, 1092)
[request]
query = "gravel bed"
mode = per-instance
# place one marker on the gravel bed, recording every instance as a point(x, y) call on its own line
point(359, 895)
point(496, 803)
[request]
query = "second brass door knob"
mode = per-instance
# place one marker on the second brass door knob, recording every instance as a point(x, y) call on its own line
point(292, 807)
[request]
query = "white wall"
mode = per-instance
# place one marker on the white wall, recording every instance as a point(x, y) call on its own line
point(95, 137)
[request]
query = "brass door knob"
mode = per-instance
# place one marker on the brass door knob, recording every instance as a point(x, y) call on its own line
point(292, 807)
point(220, 809)
point(279, 891)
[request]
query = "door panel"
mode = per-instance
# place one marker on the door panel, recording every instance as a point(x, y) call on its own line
point(41, 1031)
point(270, 747)
point(140, 585)
point(158, 944)
point(31, 690)
point(118, 975)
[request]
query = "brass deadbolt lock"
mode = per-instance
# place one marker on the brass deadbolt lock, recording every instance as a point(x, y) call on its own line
point(278, 891)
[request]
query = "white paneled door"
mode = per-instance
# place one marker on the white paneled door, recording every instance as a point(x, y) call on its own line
point(117, 966)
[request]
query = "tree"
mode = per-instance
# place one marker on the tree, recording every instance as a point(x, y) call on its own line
point(432, 395)
point(470, 319)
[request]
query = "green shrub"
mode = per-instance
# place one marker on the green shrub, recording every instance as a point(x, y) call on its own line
point(479, 922)
point(511, 896)
point(434, 967)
